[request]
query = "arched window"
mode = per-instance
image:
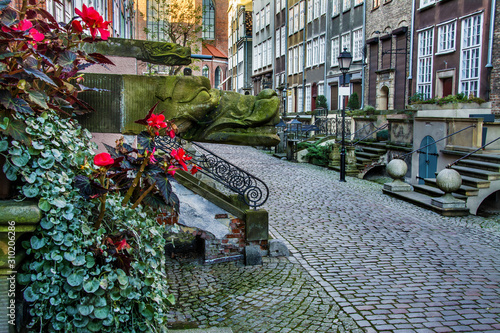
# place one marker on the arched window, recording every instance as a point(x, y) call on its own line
point(218, 77)
point(208, 19)
point(205, 71)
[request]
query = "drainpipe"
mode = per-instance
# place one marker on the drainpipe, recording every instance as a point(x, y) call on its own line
point(363, 65)
point(489, 65)
point(286, 58)
point(325, 84)
point(304, 57)
point(410, 72)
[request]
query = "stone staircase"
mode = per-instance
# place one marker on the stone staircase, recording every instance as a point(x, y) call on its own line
point(480, 178)
point(370, 155)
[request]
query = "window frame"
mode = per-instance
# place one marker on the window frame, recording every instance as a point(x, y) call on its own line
point(440, 31)
point(467, 46)
point(425, 62)
point(335, 42)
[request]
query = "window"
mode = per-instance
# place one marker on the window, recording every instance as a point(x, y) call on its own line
point(300, 99)
point(425, 3)
point(290, 62)
point(357, 41)
point(301, 57)
point(302, 15)
point(278, 44)
point(308, 98)
point(346, 42)
point(278, 5)
point(268, 14)
point(424, 65)
point(217, 77)
point(322, 49)
point(290, 103)
point(263, 18)
point(321, 89)
point(283, 40)
point(205, 71)
point(470, 58)
point(269, 51)
point(257, 22)
point(376, 4)
point(309, 10)
point(446, 35)
point(208, 19)
point(323, 7)
point(335, 51)
point(315, 51)
point(316, 8)
point(335, 7)
point(259, 59)
point(264, 54)
point(295, 18)
point(290, 22)
point(346, 5)
point(309, 54)
point(359, 2)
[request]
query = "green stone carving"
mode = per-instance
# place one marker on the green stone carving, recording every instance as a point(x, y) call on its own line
point(160, 53)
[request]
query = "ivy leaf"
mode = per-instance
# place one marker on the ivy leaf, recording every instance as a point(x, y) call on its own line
point(40, 75)
point(5, 123)
point(46, 163)
point(75, 279)
point(44, 205)
point(171, 299)
point(39, 98)
point(10, 171)
point(30, 191)
point(91, 286)
point(37, 243)
point(67, 59)
point(145, 140)
point(89, 188)
point(21, 160)
point(101, 313)
point(14, 103)
point(85, 310)
point(29, 295)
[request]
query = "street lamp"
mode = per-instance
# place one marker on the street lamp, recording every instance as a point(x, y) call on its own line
point(345, 59)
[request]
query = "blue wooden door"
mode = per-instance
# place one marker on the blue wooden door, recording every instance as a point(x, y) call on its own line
point(427, 161)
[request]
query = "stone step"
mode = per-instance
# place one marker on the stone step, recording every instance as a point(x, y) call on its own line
point(479, 156)
point(434, 191)
point(373, 150)
point(480, 165)
point(475, 182)
point(477, 173)
point(424, 200)
point(367, 155)
point(463, 190)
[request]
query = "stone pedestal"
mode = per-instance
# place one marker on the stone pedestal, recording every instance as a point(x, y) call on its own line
point(350, 167)
point(397, 170)
point(448, 181)
point(335, 156)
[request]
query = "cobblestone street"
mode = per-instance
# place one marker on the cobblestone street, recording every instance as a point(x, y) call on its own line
point(361, 262)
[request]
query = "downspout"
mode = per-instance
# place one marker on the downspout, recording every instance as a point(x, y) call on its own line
point(363, 65)
point(410, 71)
point(304, 57)
point(489, 65)
point(325, 83)
point(286, 57)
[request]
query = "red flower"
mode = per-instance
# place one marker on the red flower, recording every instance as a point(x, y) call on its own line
point(122, 245)
point(181, 157)
point(77, 26)
point(152, 158)
point(103, 160)
point(171, 170)
point(157, 121)
point(94, 21)
point(171, 134)
point(25, 25)
point(194, 169)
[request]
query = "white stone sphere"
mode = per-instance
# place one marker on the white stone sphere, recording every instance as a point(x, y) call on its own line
point(448, 180)
point(397, 168)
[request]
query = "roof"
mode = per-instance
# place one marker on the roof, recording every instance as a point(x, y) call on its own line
point(213, 51)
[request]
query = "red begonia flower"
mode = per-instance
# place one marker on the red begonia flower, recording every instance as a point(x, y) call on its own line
point(122, 245)
point(94, 21)
point(38, 36)
point(194, 169)
point(103, 160)
point(171, 134)
point(171, 170)
point(181, 157)
point(77, 26)
point(157, 121)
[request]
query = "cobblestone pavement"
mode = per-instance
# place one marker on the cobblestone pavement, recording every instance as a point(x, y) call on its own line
point(391, 266)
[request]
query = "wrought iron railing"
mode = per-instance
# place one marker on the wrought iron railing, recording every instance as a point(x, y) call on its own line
point(250, 189)
point(371, 133)
point(402, 157)
point(473, 152)
point(332, 126)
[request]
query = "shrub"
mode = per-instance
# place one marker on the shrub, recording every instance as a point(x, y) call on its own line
point(321, 102)
point(353, 103)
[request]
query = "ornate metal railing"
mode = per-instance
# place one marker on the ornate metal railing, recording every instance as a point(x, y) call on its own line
point(332, 126)
point(250, 189)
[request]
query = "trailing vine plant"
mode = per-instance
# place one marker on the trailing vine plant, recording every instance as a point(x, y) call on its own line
point(96, 260)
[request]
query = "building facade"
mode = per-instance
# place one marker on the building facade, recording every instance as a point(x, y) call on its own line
point(240, 46)
point(494, 63)
point(296, 36)
point(263, 45)
point(388, 35)
point(450, 48)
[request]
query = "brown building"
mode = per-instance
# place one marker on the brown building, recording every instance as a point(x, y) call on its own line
point(387, 49)
point(450, 48)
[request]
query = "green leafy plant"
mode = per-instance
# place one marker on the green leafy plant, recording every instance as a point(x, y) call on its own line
point(458, 98)
point(321, 102)
point(368, 109)
point(319, 154)
point(353, 103)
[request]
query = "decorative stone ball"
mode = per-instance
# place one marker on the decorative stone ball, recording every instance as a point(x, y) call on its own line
point(448, 180)
point(397, 168)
